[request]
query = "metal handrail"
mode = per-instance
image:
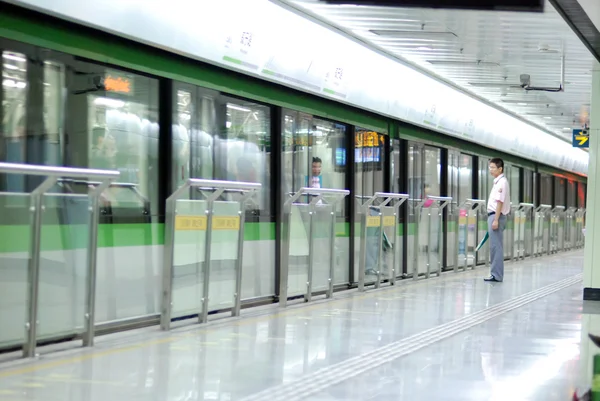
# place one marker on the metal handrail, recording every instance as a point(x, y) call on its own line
point(53, 171)
point(473, 205)
point(443, 202)
point(387, 198)
point(318, 194)
point(219, 187)
point(53, 174)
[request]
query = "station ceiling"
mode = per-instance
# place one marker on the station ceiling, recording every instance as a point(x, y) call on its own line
point(481, 52)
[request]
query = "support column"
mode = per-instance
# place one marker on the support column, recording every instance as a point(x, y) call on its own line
point(591, 270)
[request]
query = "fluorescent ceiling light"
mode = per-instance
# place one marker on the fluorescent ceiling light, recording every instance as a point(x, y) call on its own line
point(462, 63)
point(234, 107)
point(12, 57)
point(104, 101)
point(413, 34)
point(424, 48)
point(10, 83)
point(11, 67)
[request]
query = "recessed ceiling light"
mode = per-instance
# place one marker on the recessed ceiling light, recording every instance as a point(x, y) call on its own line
point(522, 104)
point(424, 48)
point(548, 118)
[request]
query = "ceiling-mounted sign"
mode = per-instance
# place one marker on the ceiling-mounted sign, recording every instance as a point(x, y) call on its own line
point(581, 138)
point(496, 5)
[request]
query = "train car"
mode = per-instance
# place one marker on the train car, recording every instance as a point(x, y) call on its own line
point(75, 96)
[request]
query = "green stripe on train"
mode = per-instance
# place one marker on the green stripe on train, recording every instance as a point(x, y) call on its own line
point(15, 238)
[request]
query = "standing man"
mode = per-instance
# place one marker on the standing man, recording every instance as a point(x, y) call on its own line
point(498, 207)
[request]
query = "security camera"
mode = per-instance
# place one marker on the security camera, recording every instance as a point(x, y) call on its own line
point(525, 80)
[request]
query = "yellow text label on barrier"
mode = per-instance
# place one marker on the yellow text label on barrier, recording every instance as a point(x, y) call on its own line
point(374, 221)
point(198, 223)
point(190, 223)
point(226, 223)
point(389, 221)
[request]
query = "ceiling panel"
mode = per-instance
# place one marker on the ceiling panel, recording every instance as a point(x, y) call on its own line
point(483, 53)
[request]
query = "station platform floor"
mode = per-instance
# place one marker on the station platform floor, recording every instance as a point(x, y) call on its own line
point(453, 337)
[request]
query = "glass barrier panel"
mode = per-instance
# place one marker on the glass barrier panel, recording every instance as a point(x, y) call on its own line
point(388, 245)
point(462, 232)
point(342, 250)
point(15, 234)
point(482, 229)
point(372, 249)
point(188, 257)
point(321, 247)
point(224, 254)
point(63, 264)
point(298, 260)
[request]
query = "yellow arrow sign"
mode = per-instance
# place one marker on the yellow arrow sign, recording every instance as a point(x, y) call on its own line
point(582, 139)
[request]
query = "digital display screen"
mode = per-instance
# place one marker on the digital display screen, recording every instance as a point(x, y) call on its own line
point(497, 5)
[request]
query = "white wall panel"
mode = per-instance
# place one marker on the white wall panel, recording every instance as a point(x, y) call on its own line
point(262, 39)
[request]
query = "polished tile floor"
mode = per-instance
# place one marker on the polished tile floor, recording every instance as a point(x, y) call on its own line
point(454, 338)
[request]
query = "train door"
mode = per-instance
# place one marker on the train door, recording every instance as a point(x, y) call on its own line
point(314, 155)
point(460, 188)
point(398, 185)
point(512, 174)
point(424, 178)
point(527, 197)
point(369, 162)
point(485, 185)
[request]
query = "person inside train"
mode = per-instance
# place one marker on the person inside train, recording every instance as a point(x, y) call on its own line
point(316, 180)
point(498, 208)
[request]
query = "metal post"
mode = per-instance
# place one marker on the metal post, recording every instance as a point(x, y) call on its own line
point(428, 273)
point(203, 316)
point(33, 273)
point(36, 209)
point(285, 254)
point(415, 261)
point(332, 251)
point(457, 239)
point(168, 261)
point(362, 264)
point(380, 251)
point(237, 296)
point(311, 261)
point(533, 214)
point(90, 294)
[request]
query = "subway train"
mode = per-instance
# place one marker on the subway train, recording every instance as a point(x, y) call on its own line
point(160, 119)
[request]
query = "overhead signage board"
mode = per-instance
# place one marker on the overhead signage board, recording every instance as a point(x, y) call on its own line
point(581, 138)
point(492, 5)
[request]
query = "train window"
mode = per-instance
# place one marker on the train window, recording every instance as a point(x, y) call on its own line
point(223, 138)
point(514, 174)
point(571, 194)
point(119, 112)
point(559, 191)
point(527, 186)
point(314, 153)
point(546, 189)
point(14, 100)
point(581, 194)
point(465, 179)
